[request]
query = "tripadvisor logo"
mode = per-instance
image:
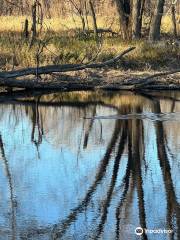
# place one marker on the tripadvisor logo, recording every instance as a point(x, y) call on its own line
point(139, 231)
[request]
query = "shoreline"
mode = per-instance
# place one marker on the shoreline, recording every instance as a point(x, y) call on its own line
point(105, 79)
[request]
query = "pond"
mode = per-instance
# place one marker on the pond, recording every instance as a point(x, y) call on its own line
point(90, 165)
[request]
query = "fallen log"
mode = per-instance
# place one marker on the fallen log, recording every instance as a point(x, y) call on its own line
point(142, 82)
point(148, 81)
point(62, 68)
point(151, 81)
point(97, 80)
point(72, 83)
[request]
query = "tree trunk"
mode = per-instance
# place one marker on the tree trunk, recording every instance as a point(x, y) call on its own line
point(155, 27)
point(86, 15)
point(137, 13)
point(124, 11)
point(83, 23)
point(173, 12)
point(26, 31)
point(34, 23)
point(94, 19)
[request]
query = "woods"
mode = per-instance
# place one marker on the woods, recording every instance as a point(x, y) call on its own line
point(130, 13)
point(50, 31)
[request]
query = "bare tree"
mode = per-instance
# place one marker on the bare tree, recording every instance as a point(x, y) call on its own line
point(79, 8)
point(173, 13)
point(26, 28)
point(130, 17)
point(137, 14)
point(37, 18)
point(94, 19)
point(155, 26)
point(124, 11)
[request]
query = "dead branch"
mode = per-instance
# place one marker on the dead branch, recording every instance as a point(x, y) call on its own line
point(62, 68)
point(145, 82)
point(68, 82)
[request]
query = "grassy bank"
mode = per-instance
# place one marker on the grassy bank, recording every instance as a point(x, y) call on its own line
point(65, 45)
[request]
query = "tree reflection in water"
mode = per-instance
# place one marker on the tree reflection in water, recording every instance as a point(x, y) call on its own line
point(11, 190)
point(127, 142)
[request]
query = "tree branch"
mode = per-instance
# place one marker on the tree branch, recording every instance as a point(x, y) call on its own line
point(62, 68)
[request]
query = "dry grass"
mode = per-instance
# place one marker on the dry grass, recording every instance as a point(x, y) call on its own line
point(16, 23)
point(66, 48)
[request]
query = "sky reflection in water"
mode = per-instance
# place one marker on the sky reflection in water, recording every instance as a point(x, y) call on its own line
point(89, 165)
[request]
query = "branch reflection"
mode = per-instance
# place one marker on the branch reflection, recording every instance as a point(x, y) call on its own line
point(130, 150)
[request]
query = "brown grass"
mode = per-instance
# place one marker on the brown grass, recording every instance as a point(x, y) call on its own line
point(66, 47)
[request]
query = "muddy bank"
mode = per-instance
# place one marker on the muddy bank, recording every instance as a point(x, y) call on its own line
point(108, 79)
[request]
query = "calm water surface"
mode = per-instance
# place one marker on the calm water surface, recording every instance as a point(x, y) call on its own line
point(89, 165)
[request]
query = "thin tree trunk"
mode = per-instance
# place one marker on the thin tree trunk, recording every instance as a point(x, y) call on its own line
point(86, 15)
point(155, 27)
point(83, 23)
point(34, 23)
point(26, 31)
point(136, 19)
point(94, 19)
point(173, 12)
point(124, 11)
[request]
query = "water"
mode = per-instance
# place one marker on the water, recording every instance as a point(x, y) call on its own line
point(89, 165)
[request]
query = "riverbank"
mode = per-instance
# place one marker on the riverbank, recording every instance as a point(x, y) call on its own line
point(107, 79)
point(139, 68)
